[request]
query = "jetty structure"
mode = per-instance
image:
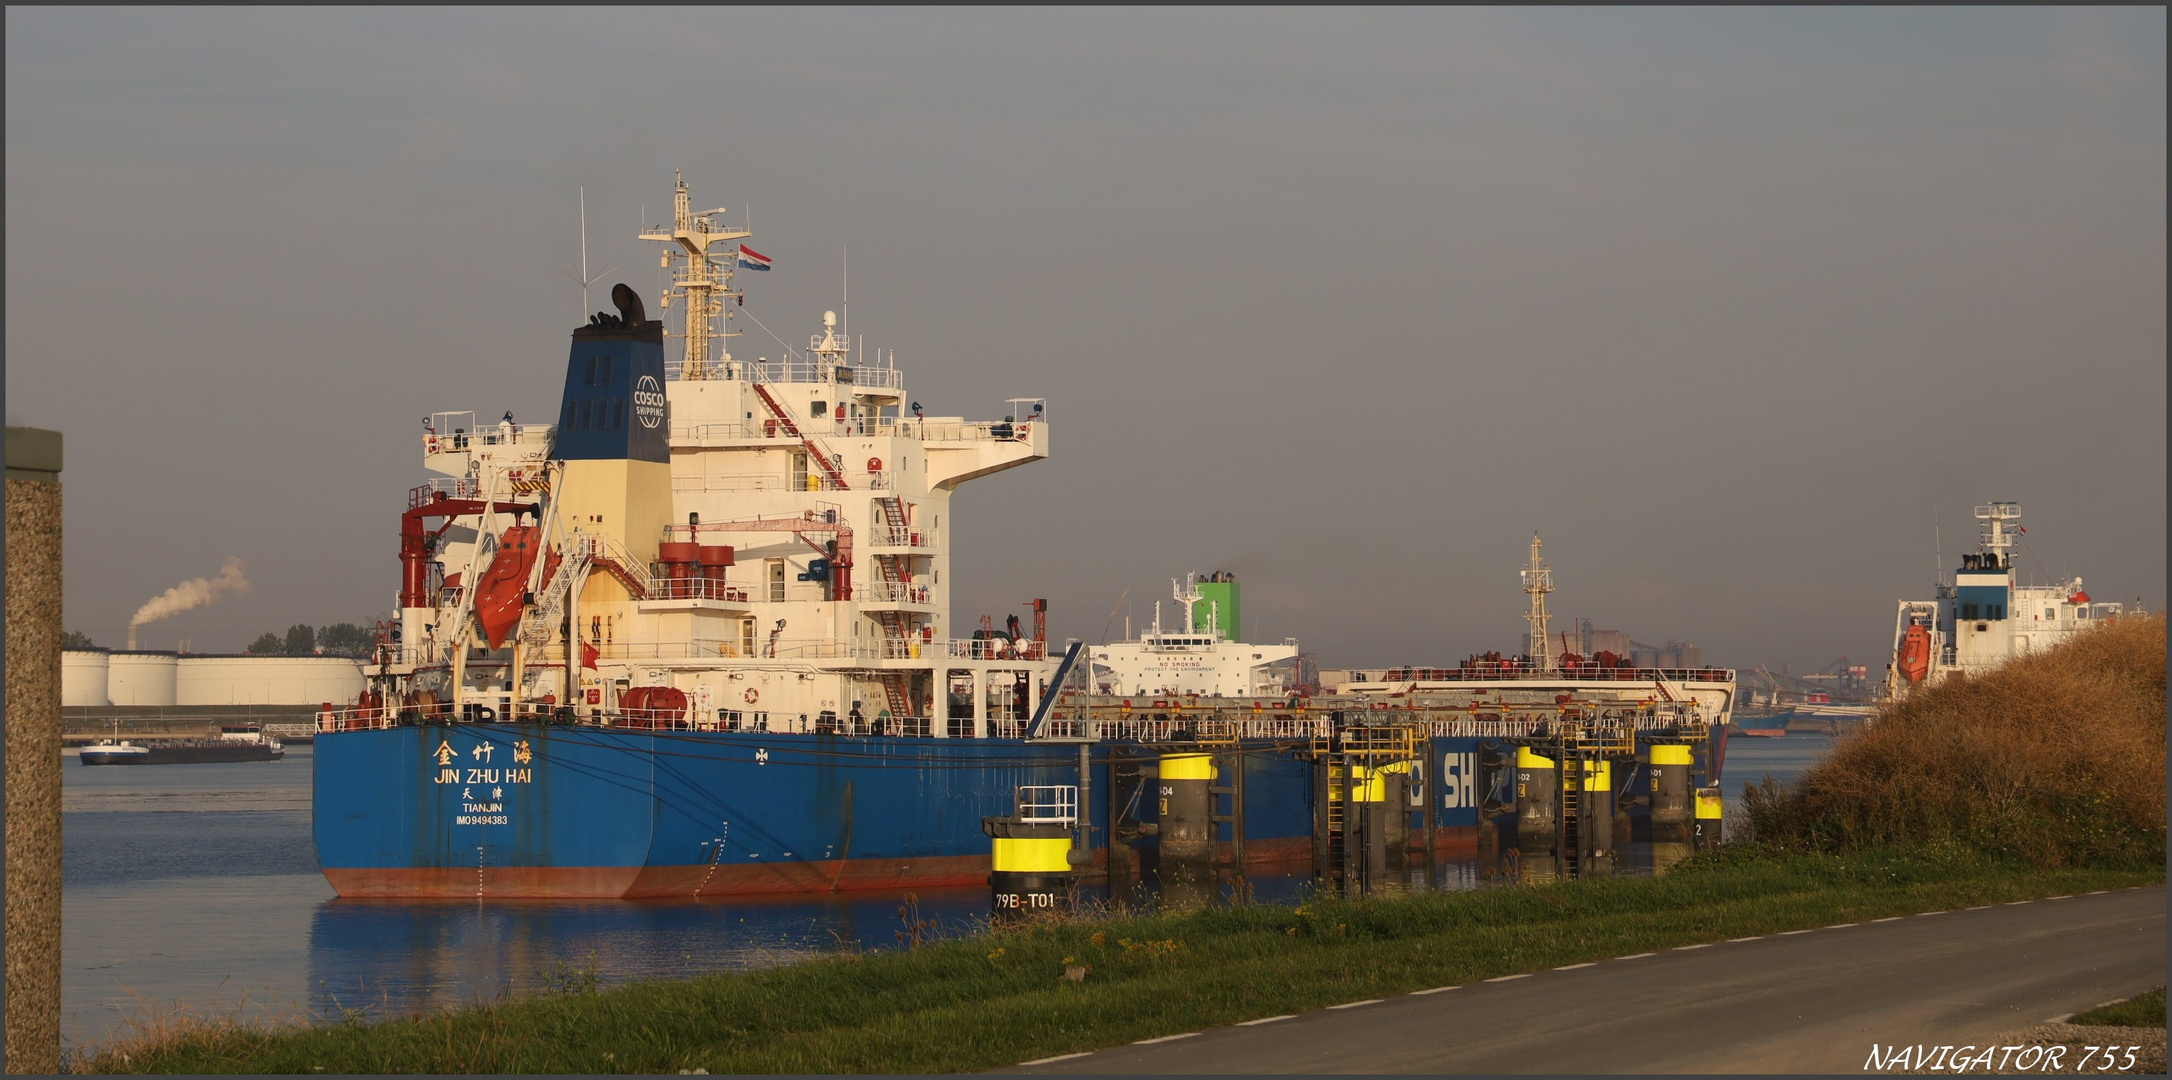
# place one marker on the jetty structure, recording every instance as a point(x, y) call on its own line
point(696, 637)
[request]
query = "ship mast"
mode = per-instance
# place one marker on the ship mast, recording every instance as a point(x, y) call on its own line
point(1538, 581)
point(1997, 541)
point(703, 278)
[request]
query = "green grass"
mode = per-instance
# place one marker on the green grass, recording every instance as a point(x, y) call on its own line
point(2144, 1011)
point(984, 1002)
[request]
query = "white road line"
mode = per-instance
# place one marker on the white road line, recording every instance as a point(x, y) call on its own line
point(1979, 907)
point(1267, 1020)
point(1435, 990)
point(1792, 933)
point(1505, 978)
point(2060, 1019)
point(1732, 940)
point(1889, 918)
point(1636, 956)
point(2099, 892)
point(2018, 903)
point(1679, 948)
point(2068, 896)
point(1573, 967)
point(1921, 914)
point(1355, 1004)
point(1058, 1057)
point(1165, 1038)
point(1840, 926)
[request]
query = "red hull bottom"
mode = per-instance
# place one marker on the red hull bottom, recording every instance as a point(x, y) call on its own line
point(638, 882)
point(653, 882)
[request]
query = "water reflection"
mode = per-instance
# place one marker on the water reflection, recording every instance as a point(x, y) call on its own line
point(198, 884)
point(384, 957)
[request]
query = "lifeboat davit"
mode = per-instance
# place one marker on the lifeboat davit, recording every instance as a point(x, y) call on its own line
point(501, 593)
point(1914, 660)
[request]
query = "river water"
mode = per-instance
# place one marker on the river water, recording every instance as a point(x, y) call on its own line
point(196, 887)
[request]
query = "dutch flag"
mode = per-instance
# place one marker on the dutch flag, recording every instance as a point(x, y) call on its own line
point(751, 259)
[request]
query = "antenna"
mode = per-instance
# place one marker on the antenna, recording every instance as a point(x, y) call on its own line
point(1938, 552)
point(585, 279)
point(1112, 617)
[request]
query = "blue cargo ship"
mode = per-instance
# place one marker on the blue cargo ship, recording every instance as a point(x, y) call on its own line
point(695, 637)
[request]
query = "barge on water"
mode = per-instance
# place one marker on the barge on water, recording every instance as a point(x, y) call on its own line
point(236, 742)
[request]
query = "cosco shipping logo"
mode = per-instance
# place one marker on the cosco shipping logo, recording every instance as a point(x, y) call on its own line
point(648, 401)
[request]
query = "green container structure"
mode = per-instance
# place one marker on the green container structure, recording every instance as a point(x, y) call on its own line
point(1218, 602)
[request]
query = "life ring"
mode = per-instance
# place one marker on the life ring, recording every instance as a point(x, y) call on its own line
point(753, 695)
point(432, 445)
point(874, 464)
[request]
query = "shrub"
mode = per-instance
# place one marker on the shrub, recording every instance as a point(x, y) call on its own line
point(2056, 758)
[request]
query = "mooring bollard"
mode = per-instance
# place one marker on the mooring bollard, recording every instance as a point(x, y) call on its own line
point(1536, 801)
point(1706, 835)
point(1030, 866)
point(1598, 809)
point(1671, 812)
point(1187, 827)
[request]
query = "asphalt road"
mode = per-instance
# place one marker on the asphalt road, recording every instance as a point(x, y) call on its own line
point(1807, 1001)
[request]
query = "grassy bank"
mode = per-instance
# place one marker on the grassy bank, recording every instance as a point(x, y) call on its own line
point(996, 1000)
point(2146, 1010)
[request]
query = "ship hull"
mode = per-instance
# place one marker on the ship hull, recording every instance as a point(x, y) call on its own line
point(527, 810)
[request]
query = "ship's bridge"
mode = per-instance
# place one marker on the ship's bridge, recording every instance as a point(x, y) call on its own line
point(455, 445)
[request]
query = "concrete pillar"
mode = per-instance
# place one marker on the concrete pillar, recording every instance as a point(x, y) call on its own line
point(33, 751)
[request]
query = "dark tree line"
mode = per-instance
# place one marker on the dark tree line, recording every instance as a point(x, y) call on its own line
point(338, 639)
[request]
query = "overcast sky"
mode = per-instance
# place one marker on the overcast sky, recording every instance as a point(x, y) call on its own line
point(1733, 307)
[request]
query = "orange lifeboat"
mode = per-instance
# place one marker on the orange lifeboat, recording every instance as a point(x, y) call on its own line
point(1914, 661)
point(502, 591)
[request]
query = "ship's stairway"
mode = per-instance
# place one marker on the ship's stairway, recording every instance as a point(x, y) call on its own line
point(892, 571)
point(1338, 816)
point(1572, 815)
point(542, 618)
point(815, 453)
point(607, 554)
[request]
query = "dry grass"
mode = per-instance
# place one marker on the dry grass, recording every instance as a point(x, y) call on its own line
point(2056, 758)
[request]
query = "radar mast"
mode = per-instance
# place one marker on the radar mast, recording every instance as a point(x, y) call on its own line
point(701, 257)
point(1538, 581)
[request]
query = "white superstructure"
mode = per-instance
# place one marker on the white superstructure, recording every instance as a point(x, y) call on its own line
point(797, 574)
point(1201, 658)
point(1986, 615)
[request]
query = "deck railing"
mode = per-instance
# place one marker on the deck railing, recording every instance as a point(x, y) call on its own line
point(904, 428)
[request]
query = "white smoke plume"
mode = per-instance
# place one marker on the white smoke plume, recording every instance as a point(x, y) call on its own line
point(193, 593)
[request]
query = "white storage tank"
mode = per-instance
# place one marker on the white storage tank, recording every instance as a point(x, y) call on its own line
point(141, 678)
point(268, 680)
point(83, 677)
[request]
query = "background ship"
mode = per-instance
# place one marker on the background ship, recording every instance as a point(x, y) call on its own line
point(236, 742)
point(1985, 614)
point(1203, 655)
